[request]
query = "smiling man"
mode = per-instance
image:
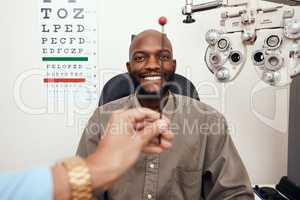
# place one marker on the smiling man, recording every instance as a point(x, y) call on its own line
point(145, 58)
point(203, 162)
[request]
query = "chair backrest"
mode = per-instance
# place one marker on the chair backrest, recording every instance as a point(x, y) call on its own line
point(122, 86)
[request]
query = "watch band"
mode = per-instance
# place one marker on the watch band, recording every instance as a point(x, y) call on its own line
point(79, 178)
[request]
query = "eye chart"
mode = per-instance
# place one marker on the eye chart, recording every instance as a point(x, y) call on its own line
point(68, 30)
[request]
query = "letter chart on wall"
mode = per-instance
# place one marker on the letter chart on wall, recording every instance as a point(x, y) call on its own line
point(68, 30)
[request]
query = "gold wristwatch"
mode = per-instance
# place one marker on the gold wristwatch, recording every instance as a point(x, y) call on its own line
point(79, 178)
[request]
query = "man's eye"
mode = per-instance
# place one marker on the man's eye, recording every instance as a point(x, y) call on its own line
point(139, 58)
point(165, 57)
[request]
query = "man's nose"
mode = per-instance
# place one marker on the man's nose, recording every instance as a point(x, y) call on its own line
point(153, 63)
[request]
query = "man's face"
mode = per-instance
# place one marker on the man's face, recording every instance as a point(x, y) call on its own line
point(146, 55)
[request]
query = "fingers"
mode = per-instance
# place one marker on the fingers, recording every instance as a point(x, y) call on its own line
point(150, 133)
point(152, 148)
point(152, 130)
point(140, 114)
point(155, 147)
point(140, 125)
point(165, 144)
point(167, 135)
point(146, 125)
point(138, 117)
point(133, 119)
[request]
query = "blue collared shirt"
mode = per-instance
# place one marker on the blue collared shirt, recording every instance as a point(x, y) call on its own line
point(33, 184)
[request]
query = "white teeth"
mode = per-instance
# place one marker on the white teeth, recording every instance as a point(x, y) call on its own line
point(152, 78)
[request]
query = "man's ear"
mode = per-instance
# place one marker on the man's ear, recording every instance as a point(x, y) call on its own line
point(174, 64)
point(132, 37)
point(128, 67)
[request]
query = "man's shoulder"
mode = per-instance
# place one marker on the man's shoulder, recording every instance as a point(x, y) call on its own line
point(101, 116)
point(196, 110)
point(121, 103)
point(197, 105)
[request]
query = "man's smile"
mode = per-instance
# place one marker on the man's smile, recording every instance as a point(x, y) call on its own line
point(151, 76)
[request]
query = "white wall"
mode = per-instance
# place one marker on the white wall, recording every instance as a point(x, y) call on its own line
point(27, 140)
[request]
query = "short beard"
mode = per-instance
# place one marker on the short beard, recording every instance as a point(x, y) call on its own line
point(142, 94)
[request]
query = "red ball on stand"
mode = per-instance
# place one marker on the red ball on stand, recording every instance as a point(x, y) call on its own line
point(162, 21)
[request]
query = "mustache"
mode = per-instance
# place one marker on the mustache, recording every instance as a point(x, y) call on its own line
point(135, 77)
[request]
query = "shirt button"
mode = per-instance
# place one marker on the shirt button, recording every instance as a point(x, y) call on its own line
point(152, 166)
point(149, 196)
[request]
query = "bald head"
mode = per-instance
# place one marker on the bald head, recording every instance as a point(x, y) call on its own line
point(149, 38)
point(149, 62)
